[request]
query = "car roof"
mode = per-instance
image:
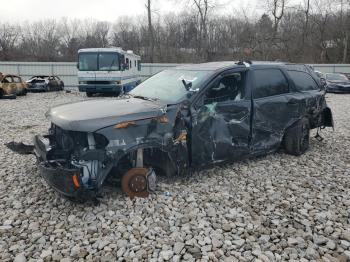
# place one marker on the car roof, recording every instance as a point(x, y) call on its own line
point(221, 65)
point(41, 76)
point(5, 75)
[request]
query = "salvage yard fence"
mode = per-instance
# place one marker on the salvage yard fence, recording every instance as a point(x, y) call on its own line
point(67, 71)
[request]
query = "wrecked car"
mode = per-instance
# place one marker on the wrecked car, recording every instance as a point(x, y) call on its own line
point(12, 86)
point(45, 83)
point(337, 83)
point(178, 120)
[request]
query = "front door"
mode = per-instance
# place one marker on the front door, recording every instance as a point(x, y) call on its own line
point(8, 86)
point(221, 120)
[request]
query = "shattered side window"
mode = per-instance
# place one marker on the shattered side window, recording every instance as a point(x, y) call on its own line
point(269, 82)
point(7, 79)
point(231, 87)
point(303, 81)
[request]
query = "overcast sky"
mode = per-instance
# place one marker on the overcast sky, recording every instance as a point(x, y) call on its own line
point(106, 10)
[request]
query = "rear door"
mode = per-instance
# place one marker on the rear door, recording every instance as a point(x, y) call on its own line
point(18, 83)
point(275, 108)
point(221, 120)
point(312, 96)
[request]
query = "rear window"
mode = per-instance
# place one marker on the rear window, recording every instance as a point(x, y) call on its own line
point(16, 79)
point(269, 82)
point(303, 81)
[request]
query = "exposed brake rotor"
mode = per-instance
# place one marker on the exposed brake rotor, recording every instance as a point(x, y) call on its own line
point(138, 182)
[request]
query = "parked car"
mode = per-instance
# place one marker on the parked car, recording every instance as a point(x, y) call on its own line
point(337, 83)
point(347, 75)
point(12, 86)
point(44, 83)
point(181, 119)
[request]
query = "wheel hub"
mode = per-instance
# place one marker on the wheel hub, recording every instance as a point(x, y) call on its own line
point(138, 182)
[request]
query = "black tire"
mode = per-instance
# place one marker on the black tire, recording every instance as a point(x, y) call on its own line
point(23, 92)
point(62, 87)
point(89, 94)
point(1, 93)
point(296, 138)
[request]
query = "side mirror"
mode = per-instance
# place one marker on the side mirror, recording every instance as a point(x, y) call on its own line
point(323, 83)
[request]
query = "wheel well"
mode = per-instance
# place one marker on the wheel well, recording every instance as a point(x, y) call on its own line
point(154, 157)
point(293, 125)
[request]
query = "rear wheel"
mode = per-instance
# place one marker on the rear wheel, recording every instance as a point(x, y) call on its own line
point(23, 92)
point(296, 138)
point(1, 93)
point(89, 94)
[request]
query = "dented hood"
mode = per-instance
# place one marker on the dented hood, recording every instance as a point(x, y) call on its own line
point(91, 115)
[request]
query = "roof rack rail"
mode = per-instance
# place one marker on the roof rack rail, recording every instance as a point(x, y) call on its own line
point(244, 62)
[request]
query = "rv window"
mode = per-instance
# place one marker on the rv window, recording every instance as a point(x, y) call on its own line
point(139, 65)
point(108, 62)
point(127, 63)
point(130, 63)
point(88, 62)
point(135, 63)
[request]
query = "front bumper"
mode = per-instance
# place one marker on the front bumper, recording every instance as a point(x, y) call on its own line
point(58, 177)
point(37, 88)
point(338, 89)
point(100, 88)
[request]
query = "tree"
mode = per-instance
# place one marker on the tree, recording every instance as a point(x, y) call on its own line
point(8, 37)
point(203, 8)
point(150, 31)
point(277, 9)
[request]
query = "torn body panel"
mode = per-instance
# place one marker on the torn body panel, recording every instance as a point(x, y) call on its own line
point(92, 153)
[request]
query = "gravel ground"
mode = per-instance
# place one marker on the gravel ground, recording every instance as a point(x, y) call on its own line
point(273, 208)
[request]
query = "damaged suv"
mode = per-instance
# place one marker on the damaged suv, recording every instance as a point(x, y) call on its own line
point(181, 119)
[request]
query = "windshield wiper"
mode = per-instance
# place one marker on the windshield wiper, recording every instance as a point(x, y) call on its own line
point(145, 98)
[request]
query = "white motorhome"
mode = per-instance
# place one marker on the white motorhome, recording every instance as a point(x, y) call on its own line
point(108, 70)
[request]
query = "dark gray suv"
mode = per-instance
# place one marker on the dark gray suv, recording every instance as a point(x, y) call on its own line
point(178, 120)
